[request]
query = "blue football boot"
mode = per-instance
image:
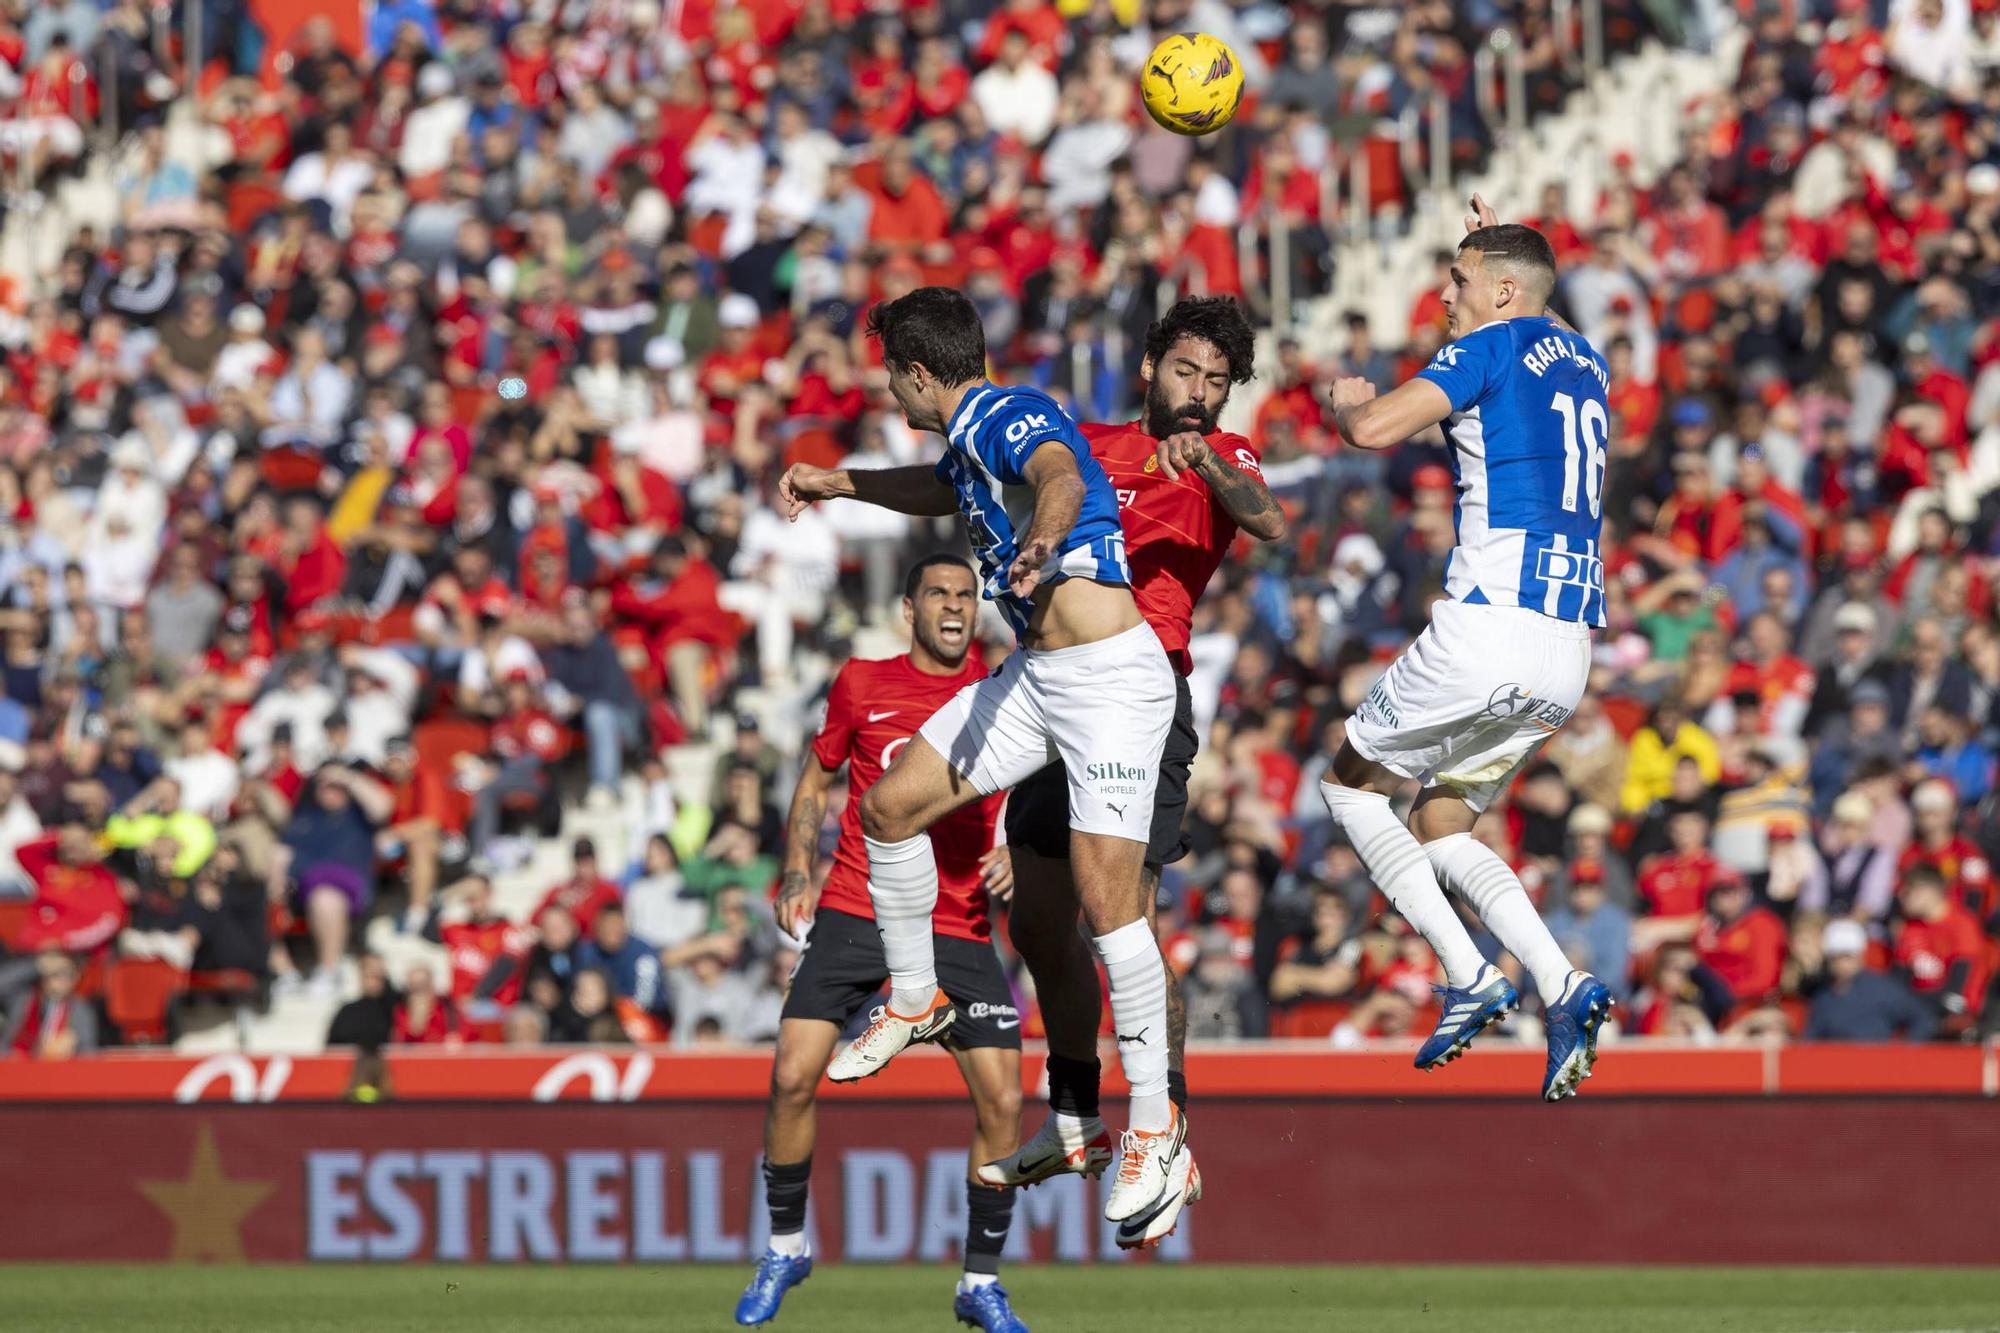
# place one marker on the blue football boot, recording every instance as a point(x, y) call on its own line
point(1573, 1022)
point(776, 1275)
point(1467, 1012)
point(986, 1308)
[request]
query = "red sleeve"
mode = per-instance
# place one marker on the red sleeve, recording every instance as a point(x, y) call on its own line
point(36, 857)
point(837, 732)
point(1767, 958)
point(1240, 454)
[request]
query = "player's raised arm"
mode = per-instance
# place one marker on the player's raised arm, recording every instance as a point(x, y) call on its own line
point(1058, 498)
point(907, 490)
point(1239, 487)
point(1368, 422)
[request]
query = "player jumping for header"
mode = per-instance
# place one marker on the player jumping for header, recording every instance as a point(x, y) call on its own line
point(1185, 489)
point(1090, 686)
point(1504, 661)
point(871, 711)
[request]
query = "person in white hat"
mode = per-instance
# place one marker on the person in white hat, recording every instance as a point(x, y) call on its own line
point(1857, 1003)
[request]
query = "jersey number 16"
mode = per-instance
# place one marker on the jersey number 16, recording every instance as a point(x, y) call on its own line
point(1583, 460)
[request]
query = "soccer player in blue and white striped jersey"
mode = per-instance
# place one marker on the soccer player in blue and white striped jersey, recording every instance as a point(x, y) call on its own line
point(1521, 397)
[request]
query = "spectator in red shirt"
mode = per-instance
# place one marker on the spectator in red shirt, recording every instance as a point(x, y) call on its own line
point(1781, 683)
point(583, 894)
point(1674, 885)
point(1938, 946)
point(1742, 943)
point(488, 950)
point(675, 599)
point(78, 906)
point(526, 741)
point(423, 1018)
point(1937, 844)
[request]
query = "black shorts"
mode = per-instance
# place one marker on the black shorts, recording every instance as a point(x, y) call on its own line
point(842, 969)
point(1038, 809)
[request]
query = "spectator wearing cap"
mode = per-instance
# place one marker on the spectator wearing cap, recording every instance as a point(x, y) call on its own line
point(1589, 921)
point(1937, 843)
point(585, 892)
point(1857, 1003)
point(1741, 942)
point(1938, 946)
point(326, 867)
point(1853, 664)
point(1861, 873)
point(1848, 743)
point(1590, 846)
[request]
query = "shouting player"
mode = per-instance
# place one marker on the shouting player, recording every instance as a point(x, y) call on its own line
point(1090, 685)
point(871, 711)
point(1506, 658)
point(1184, 491)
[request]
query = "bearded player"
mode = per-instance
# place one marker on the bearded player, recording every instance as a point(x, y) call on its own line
point(1090, 685)
point(871, 711)
point(1184, 491)
point(1506, 657)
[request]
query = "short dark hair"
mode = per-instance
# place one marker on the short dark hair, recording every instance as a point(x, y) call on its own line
point(1520, 247)
point(933, 327)
point(1217, 320)
point(915, 577)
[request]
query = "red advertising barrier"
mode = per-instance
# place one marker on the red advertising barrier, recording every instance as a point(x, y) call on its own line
point(1739, 1180)
point(1271, 1069)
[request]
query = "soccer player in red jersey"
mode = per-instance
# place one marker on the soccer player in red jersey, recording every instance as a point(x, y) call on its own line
point(1184, 490)
point(872, 711)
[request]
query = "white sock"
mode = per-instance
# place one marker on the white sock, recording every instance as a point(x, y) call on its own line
point(1396, 862)
point(792, 1244)
point(1480, 877)
point(1074, 1125)
point(903, 885)
point(974, 1281)
point(1131, 956)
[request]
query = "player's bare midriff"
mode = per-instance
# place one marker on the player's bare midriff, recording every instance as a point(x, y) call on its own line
point(1077, 611)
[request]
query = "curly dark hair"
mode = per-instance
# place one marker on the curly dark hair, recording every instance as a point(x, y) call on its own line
point(1217, 320)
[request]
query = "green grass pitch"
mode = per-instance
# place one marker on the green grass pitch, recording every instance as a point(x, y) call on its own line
point(1152, 1299)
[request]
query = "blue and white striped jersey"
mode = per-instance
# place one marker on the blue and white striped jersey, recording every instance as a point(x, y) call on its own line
point(987, 443)
point(1527, 428)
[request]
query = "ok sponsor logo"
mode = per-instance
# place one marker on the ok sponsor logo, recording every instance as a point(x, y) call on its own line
point(1022, 427)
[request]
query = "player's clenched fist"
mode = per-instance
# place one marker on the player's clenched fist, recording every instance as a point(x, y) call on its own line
point(1182, 452)
point(1351, 391)
point(800, 486)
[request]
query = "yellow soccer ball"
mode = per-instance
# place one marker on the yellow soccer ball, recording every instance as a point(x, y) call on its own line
point(1192, 83)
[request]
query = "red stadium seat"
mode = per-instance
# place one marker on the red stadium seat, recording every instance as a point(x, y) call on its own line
point(138, 994)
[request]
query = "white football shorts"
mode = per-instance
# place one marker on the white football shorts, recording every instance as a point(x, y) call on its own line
point(1102, 708)
point(1473, 698)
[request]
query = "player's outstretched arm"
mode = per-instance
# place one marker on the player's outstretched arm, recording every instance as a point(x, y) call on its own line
point(1241, 490)
point(797, 898)
point(1058, 499)
point(1368, 422)
point(907, 490)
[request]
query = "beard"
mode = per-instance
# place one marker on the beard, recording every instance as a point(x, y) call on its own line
point(1163, 420)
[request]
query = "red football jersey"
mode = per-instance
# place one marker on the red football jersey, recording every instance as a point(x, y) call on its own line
point(1176, 532)
point(871, 713)
point(475, 946)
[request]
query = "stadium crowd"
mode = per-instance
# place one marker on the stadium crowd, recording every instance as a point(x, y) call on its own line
point(304, 624)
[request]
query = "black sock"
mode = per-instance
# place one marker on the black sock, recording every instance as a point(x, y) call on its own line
point(1073, 1086)
point(988, 1213)
point(1177, 1089)
point(785, 1192)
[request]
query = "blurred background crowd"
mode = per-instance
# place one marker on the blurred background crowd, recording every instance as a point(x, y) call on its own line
point(314, 646)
